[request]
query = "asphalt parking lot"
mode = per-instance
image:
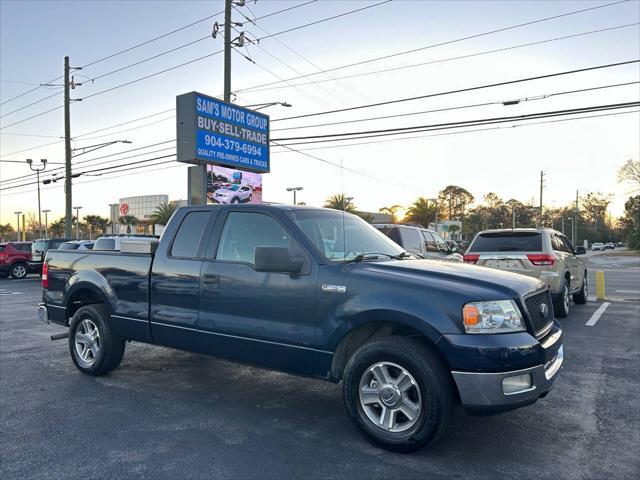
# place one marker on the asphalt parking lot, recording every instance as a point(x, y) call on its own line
point(170, 414)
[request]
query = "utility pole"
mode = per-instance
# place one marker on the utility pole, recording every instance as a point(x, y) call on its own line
point(574, 232)
point(46, 223)
point(563, 225)
point(228, 4)
point(513, 217)
point(541, 187)
point(68, 217)
point(24, 229)
point(77, 223)
point(436, 216)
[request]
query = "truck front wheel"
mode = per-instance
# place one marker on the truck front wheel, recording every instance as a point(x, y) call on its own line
point(94, 346)
point(397, 393)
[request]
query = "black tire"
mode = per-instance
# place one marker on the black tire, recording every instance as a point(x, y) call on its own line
point(19, 271)
point(431, 380)
point(110, 346)
point(4, 274)
point(583, 295)
point(235, 200)
point(562, 305)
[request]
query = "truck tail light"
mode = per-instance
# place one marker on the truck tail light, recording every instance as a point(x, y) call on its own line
point(541, 259)
point(45, 275)
point(471, 258)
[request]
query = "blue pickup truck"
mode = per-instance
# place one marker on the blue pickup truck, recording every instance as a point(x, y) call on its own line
point(319, 293)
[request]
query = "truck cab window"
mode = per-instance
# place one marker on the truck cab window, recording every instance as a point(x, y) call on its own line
point(429, 242)
point(188, 237)
point(244, 231)
point(411, 240)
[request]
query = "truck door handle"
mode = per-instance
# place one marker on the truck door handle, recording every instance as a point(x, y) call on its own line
point(210, 278)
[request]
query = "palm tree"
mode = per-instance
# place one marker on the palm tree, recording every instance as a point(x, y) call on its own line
point(163, 212)
point(422, 212)
point(129, 221)
point(56, 229)
point(96, 223)
point(393, 210)
point(340, 202)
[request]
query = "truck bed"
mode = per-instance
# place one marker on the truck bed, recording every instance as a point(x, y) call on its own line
point(122, 277)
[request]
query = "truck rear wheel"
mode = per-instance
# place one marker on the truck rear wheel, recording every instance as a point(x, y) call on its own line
point(94, 347)
point(397, 393)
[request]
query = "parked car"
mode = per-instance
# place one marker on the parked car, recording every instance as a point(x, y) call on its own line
point(609, 246)
point(320, 293)
point(233, 194)
point(39, 249)
point(114, 242)
point(542, 253)
point(597, 246)
point(419, 241)
point(14, 259)
point(77, 245)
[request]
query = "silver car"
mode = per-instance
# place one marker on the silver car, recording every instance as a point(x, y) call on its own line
point(233, 194)
point(542, 253)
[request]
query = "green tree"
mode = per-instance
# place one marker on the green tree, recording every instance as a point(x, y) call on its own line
point(453, 201)
point(421, 212)
point(129, 221)
point(163, 213)
point(593, 220)
point(6, 231)
point(630, 222)
point(367, 217)
point(340, 201)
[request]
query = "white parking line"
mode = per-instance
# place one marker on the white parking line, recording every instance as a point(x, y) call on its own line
point(628, 291)
point(597, 314)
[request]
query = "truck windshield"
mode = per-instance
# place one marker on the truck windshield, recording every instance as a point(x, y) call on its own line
point(341, 236)
point(507, 242)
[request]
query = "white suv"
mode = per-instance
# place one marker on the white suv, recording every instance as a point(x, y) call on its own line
point(233, 194)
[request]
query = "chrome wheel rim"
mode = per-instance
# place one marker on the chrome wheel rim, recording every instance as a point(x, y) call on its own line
point(390, 397)
point(19, 271)
point(566, 298)
point(87, 343)
point(586, 287)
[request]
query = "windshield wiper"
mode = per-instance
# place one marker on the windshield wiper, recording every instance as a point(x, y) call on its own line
point(373, 255)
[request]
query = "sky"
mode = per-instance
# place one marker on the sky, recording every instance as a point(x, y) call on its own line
point(581, 155)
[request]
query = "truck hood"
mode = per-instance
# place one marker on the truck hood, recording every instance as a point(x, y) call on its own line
point(462, 274)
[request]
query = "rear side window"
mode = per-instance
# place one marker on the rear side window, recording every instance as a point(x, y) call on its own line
point(105, 244)
point(55, 244)
point(507, 242)
point(40, 245)
point(392, 232)
point(22, 247)
point(411, 240)
point(69, 246)
point(189, 234)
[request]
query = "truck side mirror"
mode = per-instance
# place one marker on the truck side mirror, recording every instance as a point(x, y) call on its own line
point(276, 259)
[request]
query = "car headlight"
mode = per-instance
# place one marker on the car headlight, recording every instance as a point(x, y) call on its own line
point(499, 316)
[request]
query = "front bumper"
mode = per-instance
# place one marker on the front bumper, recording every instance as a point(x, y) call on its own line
point(484, 392)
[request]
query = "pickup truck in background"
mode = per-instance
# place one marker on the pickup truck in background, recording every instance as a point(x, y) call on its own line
point(319, 293)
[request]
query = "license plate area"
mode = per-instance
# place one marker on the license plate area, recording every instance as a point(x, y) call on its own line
point(504, 264)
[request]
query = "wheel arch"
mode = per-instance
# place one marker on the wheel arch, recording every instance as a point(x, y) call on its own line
point(86, 291)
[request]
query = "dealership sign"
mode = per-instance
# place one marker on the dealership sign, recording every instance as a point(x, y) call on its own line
point(213, 132)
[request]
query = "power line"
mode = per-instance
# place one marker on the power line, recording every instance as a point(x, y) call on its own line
point(32, 116)
point(585, 117)
point(459, 107)
point(30, 104)
point(449, 125)
point(31, 90)
point(448, 59)
point(459, 90)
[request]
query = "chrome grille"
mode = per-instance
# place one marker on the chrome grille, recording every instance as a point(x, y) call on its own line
point(539, 321)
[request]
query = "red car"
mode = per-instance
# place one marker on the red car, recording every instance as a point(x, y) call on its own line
point(13, 259)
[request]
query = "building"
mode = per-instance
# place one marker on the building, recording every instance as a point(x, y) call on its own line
point(140, 207)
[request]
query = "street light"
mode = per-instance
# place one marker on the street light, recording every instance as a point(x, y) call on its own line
point(91, 148)
point(269, 104)
point(77, 209)
point(294, 190)
point(18, 231)
point(43, 165)
point(46, 223)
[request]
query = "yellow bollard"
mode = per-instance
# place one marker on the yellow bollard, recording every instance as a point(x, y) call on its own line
point(600, 285)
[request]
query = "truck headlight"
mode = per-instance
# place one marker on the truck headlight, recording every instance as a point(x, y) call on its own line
point(499, 316)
